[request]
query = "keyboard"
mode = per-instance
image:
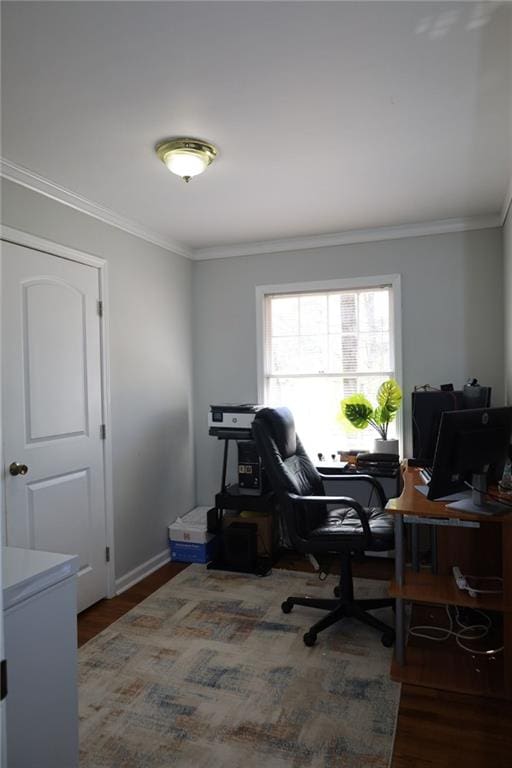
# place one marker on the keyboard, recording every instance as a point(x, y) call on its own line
point(426, 474)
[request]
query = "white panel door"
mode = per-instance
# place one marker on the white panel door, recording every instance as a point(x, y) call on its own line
point(52, 411)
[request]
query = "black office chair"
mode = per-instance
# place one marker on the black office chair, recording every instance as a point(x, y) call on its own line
point(314, 528)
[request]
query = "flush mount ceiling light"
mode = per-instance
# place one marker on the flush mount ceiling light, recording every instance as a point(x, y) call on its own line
point(186, 157)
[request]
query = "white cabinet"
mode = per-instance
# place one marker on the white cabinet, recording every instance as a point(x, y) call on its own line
point(39, 591)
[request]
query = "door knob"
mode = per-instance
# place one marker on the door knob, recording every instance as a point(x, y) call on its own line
point(18, 469)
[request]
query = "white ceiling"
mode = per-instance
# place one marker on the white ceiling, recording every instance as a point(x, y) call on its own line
point(328, 116)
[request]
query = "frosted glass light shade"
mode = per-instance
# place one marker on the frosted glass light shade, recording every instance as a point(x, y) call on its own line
point(184, 163)
point(186, 157)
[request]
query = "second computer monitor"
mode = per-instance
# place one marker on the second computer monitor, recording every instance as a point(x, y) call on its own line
point(471, 443)
point(427, 407)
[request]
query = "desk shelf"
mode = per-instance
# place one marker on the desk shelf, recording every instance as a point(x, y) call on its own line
point(476, 549)
point(447, 667)
point(426, 587)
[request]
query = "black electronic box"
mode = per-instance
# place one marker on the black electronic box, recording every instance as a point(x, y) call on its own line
point(251, 475)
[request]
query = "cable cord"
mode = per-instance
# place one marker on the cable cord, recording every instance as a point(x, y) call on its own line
point(484, 578)
point(477, 631)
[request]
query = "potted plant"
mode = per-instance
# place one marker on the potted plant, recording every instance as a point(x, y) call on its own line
point(360, 413)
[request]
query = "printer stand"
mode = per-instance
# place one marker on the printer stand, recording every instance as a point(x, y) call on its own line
point(230, 498)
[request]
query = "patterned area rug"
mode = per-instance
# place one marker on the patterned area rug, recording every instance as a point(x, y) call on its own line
point(209, 673)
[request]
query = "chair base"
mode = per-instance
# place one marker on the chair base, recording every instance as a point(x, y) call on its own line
point(345, 606)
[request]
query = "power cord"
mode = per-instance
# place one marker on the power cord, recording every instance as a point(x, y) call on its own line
point(461, 580)
point(476, 631)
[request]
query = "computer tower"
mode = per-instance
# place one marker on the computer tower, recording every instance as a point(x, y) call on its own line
point(251, 475)
point(240, 542)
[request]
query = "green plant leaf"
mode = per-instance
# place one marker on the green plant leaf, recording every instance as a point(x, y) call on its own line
point(389, 397)
point(382, 416)
point(357, 410)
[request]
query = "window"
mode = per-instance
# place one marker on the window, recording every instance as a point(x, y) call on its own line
point(322, 345)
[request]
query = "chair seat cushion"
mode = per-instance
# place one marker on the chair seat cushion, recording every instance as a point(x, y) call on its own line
point(342, 529)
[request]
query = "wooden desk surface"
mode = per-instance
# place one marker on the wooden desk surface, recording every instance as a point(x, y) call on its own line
point(412, 502)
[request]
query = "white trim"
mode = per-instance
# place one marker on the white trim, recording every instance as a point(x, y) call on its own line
point(342, 284)
point(506, 203)
point(396, 283)
point(141, 571)
point(26, 178)
point(439, 227)
point(62, 251)
point(107, 420)
point(18, 237)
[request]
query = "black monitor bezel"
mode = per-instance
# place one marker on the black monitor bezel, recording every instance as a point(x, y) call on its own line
point(442, 482)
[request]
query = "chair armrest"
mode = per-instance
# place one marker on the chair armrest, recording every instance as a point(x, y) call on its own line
point(344, 501)
point(377, 487)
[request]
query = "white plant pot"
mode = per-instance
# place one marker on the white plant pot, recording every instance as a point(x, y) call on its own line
point(386, 446)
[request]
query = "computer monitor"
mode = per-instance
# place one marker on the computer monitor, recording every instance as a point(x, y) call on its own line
point(427, 407)
point(471, 446)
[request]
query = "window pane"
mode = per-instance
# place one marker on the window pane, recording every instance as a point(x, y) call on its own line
point(322, 348)
point(350, 356)
point(348, 311)
point(285, 316)
point(374, 352)
point(335, 353)
point(334, 313)
point(373, 311)
point(315, 401)
point(342, 312)
point(285, 355)
point(313, 354)
point(313, 314)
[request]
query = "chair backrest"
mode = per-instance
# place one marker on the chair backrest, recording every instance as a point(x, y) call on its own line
point(289, 468)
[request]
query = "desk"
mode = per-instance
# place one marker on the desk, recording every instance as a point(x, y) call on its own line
point(478, 544)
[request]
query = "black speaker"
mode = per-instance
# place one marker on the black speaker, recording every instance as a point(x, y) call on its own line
point(240, 542)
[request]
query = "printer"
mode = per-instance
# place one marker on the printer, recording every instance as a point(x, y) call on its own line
point(232, 420)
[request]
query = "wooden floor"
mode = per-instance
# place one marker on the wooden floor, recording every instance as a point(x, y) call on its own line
point(98, 617)
point(435, 729)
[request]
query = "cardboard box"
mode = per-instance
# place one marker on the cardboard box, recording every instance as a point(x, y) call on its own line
point(192, 527)
point(190, 552)
point(266, 534)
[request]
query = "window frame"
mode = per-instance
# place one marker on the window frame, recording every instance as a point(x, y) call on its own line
point(393, 281)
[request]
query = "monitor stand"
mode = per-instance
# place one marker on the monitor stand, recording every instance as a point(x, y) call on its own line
point(468, 505)
point(476, 502)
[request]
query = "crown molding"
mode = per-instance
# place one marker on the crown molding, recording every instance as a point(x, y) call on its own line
point(26, 178)
point(33, 181)
point(442, 226)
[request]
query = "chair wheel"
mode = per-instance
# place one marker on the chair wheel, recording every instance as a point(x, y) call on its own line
point(309, 639)
point(286, 607)
point(337, 592)
point(387, 639)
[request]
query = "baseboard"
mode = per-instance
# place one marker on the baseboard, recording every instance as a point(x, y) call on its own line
point(143, 570)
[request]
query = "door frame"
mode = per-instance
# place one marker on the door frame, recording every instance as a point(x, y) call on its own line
point(17, 237)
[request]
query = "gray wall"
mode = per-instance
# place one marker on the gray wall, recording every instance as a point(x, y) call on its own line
point(452, 318)
point(151, 369)
point(507, 251)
